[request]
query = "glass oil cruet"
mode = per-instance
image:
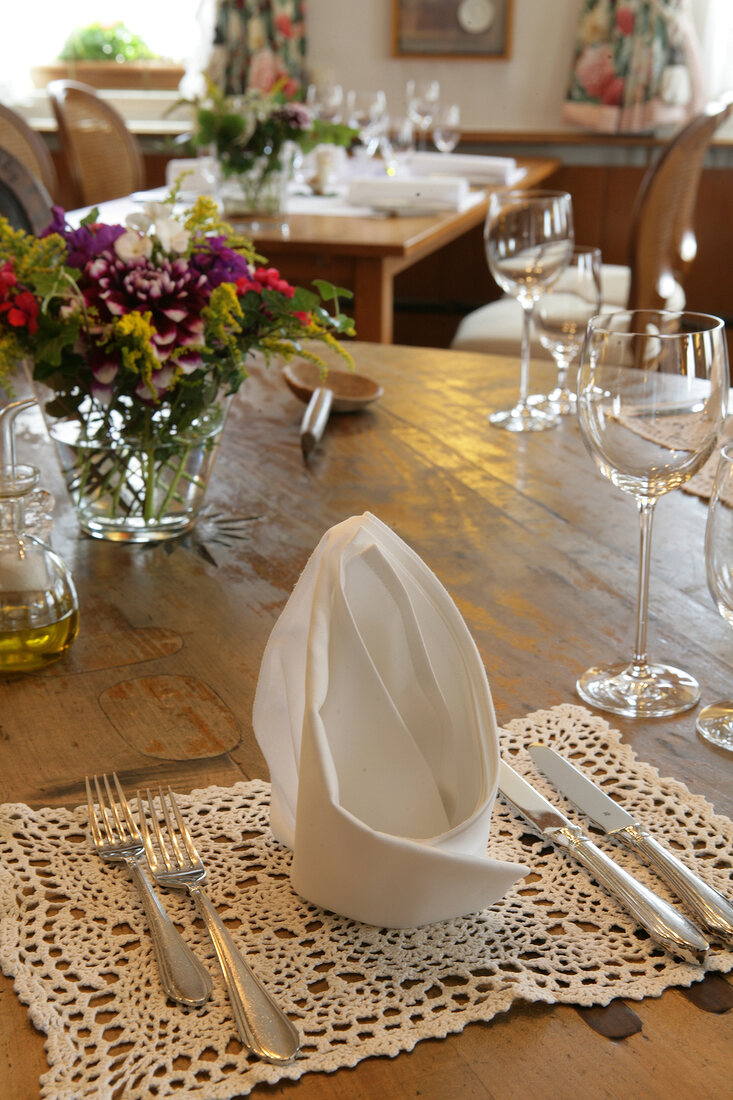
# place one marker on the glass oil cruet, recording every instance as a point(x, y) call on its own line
point(39, 609)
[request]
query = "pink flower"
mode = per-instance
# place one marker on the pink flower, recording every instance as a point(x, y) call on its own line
point(595, 69)
point(613, 93)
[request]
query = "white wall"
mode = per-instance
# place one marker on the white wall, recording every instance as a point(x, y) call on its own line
point(350, 42)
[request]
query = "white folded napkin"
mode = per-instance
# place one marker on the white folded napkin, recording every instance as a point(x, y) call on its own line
point(404, 194)
point(375, 717)
point(200, 176)
point(476, 168)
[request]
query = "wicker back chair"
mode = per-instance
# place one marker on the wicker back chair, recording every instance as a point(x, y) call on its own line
point(28, 147)
point(24, 201)
point(102, 156)
point(662, 244)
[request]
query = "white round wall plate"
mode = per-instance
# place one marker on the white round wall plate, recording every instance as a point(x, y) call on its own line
point(476, 16)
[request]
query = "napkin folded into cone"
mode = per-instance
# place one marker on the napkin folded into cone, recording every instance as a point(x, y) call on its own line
point(375, 717)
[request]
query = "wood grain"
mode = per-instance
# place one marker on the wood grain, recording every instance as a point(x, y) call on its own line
point(540, 555)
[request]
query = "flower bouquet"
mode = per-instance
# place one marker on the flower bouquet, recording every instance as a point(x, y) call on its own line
point(139, 335)
point(249, 135)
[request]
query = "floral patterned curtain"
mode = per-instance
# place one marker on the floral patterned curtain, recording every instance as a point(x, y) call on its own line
point(636, 66)
point(257, 43)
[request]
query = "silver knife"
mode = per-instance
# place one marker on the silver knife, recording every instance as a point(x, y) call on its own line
point(665, 924)
point(711, 908)
point(315, 418)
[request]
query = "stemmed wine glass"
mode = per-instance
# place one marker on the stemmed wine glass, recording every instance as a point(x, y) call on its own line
point(528, 237)
point(652, 394)
point(447, 127)
point(366, 111)
point(715, 721)
point(561, 316)
point(422, 101)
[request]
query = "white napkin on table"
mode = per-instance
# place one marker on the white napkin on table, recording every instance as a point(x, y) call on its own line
point(375, 717)
point(475, 167)
point(402, 193)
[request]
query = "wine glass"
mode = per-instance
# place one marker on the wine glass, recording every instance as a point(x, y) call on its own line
point(715, 721)
point(447, 127)
point(561, 317)
point(652, 394)
point(326, 101)
point(366, 111)
point(422, 101)
point(528, 237)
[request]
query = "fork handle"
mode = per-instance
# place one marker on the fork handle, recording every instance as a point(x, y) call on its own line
point(183, 976)
point(262, 1025)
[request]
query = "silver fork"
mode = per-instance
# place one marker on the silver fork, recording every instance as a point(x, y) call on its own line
point(116, 837)
point(175, 863)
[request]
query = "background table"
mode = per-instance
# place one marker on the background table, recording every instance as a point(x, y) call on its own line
point(539, 553)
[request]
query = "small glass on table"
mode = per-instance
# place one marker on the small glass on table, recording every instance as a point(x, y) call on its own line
point(447, 127)
point(652, 396)
point(715, 721)
point(528, 237)
point(561, 317)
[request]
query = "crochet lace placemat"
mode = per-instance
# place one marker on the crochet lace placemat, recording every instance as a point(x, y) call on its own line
point(72, 936)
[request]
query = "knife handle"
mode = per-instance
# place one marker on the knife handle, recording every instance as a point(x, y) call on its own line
point(663, 922)
point(709, 906)
point(315, 418)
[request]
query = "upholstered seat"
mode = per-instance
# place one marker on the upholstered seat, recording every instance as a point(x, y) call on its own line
point(102, 156)
point(662, 244)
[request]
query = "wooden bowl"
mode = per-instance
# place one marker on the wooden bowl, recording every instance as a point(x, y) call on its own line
point(350, 391)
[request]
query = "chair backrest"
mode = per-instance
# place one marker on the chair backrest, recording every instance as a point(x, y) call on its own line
point(102, 156)
point(28, 147)
point(24, 201)
point(662, 244)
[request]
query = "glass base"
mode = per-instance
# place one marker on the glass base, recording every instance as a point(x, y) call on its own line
point(524, 417)
point(638, 690)
point(715, 724)
point(559, 402)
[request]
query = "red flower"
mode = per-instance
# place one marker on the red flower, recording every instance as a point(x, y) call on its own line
point(22, 311)
point(613, 93)
point(8, 280)
point(265, 277)
point(284, 25)
point(625, 20)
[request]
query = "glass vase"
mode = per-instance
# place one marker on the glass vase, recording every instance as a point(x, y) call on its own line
point(141, 486)
point(257, 194)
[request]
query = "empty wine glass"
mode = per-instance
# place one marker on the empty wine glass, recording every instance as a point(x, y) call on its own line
point(422, 100)
point(447, 127)
point(561, 317)
point(652, 393)
point(528, 237)
point(715, 721)
point(326, 101)
point(366, 111)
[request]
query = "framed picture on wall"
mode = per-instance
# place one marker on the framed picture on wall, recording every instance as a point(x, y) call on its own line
point(452, 28)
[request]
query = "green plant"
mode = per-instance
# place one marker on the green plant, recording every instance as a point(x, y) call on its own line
point(105, 43)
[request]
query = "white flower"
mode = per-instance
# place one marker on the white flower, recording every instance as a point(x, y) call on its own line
point(171, 234)
point(131, 246)
point(139, 221)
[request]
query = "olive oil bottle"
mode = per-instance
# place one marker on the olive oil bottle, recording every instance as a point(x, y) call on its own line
point(39, 609)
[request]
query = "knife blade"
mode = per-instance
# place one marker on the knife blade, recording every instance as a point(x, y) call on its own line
point(712, 909)
point(668, 927)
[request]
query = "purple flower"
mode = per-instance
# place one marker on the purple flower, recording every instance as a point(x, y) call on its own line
point(84, 243)
point(295, 115)
point(219, 264)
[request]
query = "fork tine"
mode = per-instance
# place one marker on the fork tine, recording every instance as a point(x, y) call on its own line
point(129, 819)
point(92, 811)
point(159, 838)
point(103, 811)
point(112, 802)
point(191, 848)
point(182, 861)
point(150, 853)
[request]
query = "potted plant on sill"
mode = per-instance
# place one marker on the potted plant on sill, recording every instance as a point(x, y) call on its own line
point(110, 57)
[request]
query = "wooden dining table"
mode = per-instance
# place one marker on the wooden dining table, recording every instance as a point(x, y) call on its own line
point(362, 254)
point(540, 554)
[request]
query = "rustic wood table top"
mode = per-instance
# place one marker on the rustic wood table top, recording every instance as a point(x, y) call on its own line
point(539, 553)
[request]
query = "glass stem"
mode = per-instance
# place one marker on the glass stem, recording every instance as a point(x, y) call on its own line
point(646, 515)
point(527, 307)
